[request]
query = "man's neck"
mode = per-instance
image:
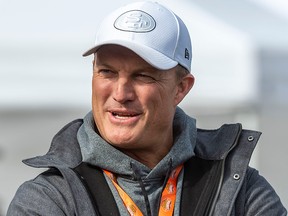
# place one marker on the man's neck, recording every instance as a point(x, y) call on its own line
point(148, 158)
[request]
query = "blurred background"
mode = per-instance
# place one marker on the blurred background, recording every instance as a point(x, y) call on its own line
point(240, 61)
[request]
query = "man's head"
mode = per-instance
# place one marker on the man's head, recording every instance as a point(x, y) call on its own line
point(136, 88)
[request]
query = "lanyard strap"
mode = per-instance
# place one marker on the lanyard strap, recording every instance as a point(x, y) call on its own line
point(167, 199)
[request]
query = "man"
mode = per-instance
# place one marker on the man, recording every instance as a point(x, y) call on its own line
point(137, 153)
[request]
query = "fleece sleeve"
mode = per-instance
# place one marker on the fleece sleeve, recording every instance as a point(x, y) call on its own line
point(261, 198)
point(40, 197)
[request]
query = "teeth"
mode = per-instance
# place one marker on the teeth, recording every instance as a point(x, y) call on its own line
point(119, 115)
point(122, 117)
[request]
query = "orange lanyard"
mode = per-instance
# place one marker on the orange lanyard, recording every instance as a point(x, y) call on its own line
point(167, 199)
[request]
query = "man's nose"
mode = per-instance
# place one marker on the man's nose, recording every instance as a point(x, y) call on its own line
point(123, 90)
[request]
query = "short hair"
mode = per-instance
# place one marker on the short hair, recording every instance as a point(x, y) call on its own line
point(181, 72)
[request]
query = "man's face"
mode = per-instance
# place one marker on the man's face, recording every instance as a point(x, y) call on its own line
point(133, 103)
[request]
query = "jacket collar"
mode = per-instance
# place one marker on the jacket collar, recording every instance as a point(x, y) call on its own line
point(216, 144)
point(64, 150)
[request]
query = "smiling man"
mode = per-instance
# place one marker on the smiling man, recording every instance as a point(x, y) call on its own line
point(137, 153)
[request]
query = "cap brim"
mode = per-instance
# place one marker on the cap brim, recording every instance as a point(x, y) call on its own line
point(151, 56)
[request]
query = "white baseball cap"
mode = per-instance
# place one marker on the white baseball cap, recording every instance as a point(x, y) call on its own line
point(150, 30)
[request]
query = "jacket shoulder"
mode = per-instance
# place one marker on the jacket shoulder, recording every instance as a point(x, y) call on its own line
point(260, 197)
point(47, 194)
point(64, 149)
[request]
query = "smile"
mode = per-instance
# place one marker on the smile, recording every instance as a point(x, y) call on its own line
point(123, 115)
point(117, 117)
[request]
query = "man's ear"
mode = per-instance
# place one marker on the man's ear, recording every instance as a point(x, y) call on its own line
point(184, 86)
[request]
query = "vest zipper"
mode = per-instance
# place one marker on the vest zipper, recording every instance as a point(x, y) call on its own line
point(218, 188)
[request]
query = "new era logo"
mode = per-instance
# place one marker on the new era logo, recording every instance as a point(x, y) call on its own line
point(187, 55)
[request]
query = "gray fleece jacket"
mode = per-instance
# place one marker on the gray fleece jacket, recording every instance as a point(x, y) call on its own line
point(242, 190)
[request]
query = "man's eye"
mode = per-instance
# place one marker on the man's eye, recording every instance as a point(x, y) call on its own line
point(106, 73)
point(145, 77)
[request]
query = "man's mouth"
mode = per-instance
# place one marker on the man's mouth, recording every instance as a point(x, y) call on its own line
point(121, 115)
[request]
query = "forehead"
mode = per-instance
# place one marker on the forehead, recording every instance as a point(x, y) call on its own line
point(115, 55)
